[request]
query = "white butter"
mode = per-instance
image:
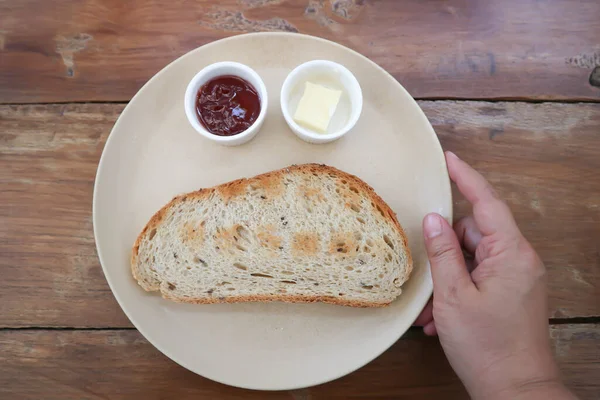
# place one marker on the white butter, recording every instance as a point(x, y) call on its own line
point(317, 106)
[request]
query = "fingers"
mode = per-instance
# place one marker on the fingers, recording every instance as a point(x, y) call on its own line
point(426, 315)
point(491, 214)
point(468, 233)
point(448, 269)
point(430, 329)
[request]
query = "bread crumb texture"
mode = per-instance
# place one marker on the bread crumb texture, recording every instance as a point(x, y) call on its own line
point(305, 233)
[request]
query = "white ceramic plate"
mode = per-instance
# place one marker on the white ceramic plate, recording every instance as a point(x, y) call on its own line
point(154, 154)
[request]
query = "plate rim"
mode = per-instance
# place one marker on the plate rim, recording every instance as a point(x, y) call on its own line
point(140, 92)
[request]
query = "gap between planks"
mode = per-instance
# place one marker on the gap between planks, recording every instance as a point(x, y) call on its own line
point(552, 321)
point(432, 99)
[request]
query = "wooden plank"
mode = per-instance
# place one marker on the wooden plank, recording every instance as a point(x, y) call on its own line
point(543, 158)
point(122, 365)
point(48, 160)
point(104, 50)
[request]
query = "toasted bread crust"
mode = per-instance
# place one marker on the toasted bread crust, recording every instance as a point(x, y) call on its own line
point(270, 181)
point(276, 297)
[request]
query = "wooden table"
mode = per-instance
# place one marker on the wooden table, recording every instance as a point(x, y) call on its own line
point(511, 86)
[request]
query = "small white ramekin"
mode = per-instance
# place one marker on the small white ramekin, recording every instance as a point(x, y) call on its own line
point(218, 69)
point(331, 70)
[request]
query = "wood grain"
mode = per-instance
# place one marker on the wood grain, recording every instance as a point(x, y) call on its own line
point(93, 365)
point(104, 50)
point(48, 160)
point(543, 158)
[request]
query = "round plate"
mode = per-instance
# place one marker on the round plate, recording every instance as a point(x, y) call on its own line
point(154, 154)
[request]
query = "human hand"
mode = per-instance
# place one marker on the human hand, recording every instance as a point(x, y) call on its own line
point(491, 312)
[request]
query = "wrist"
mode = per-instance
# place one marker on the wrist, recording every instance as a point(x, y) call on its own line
point(534, 390)
point(527, 377)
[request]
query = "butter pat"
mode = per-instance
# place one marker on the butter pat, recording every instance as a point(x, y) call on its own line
point(317, 106)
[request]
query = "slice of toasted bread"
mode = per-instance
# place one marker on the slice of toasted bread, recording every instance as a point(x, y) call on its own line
point(306, 233)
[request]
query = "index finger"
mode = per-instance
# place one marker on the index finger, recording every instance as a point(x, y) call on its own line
point(491, 214)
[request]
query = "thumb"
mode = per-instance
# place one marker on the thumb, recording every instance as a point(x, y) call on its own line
point(448, 269)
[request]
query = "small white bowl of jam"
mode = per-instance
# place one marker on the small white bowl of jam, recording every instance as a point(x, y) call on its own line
point(226, 102)
point(321, 101)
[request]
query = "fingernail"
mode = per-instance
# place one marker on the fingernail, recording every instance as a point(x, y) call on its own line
point(430, 329)
point(433, 226)
point(451, 154)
